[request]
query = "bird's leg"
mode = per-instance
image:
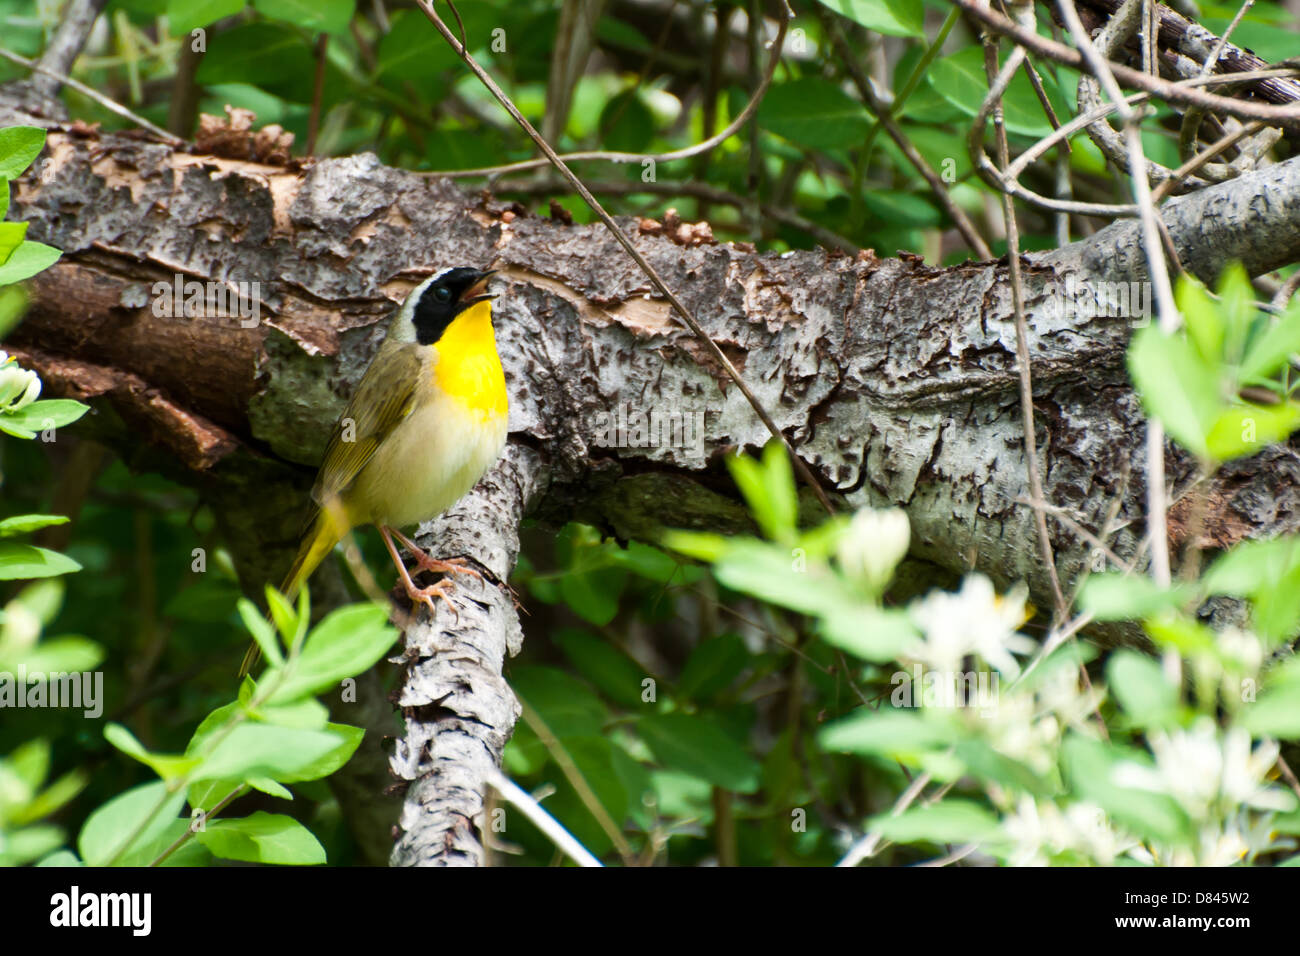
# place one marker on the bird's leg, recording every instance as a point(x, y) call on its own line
point(428, 562)
point(417, 594)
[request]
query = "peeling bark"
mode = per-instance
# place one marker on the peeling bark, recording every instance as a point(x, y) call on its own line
point(896, 381)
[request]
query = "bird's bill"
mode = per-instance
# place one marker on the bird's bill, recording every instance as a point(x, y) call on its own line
point(478, 291)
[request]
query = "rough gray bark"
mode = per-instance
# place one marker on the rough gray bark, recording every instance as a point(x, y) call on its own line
point(895, 380)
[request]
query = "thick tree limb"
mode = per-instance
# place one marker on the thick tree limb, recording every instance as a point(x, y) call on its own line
point(896, 381)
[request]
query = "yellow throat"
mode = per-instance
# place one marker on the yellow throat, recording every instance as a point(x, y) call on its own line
point(468, 368)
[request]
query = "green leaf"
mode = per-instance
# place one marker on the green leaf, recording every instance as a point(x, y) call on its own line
point(697, 746)
point(21, 524)
point(1205, 326)
point(27, 260)
point(593, 595)
point(1243, 430)
point(22, 562)
point(413, 49)
point(263, 838)
point(627, 124)
point(348, 642)
point(949, 821)
point(960, 80)
point(63, 655)
point(701, 545)
point(897, 18)
point(869, 632)
point(261, 54)
point(608, 668)
point(107, 830)
point(43, 414)
point(168, 766)
point(1176, 386)
point(565, 704)
point(814, 113)
point(892, 732)
point(1127, 597)
point(11, 237)
point(330, 762)
point(1275, 714)
point(262, 631)
point(19, 146)
point(1274, 348)
point(1252, 566)
point(712, 667)
point(186, 15)
point(1140, 686)
point(1089, 767)
point(265, 750)
point(325, 16)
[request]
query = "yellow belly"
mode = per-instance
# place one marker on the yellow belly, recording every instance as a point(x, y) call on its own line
point(428, 462)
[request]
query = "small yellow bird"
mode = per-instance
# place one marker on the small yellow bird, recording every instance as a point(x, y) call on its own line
point(426, 421)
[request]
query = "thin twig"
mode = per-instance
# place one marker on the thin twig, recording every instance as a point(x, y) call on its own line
point(1201, 158)
point(1181, 93)
point(612, 156)
point(868, 844)
point(108, 104)
point(998, 82)
point(534, 811)
point(711, 346)
point(1157, 273)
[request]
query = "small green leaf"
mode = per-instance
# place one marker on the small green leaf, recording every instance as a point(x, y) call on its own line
point(21, 562)
point(11, 237)
point(186, 15)
point(814, 113)
point(1201, 315)
point(1127, 597)
point(263, 838)
point(950, 821)
point(892, 732)
point(170, 767)
point(348, 642)
point(21, 524)
point(148, 807)
point(27, 260)
point(19, 146)
point(44, 414)
point(1274, 348)
point(1176, 386)
point(1139, 683)
point(897, 18)
point(264, 750)
point(696, 745)
point(1243, 430)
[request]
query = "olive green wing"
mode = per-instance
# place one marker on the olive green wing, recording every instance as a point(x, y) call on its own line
point(384, 398)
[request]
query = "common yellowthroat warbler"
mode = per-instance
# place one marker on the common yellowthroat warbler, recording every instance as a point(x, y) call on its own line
point(426, 421)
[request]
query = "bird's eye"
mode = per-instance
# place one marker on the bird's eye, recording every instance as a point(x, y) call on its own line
point(442, 294)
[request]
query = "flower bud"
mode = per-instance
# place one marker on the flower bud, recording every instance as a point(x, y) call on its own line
point(873, 544)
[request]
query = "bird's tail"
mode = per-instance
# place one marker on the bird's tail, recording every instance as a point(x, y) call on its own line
point(317, 541)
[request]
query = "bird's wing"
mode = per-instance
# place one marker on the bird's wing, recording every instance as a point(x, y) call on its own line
point(382, 400)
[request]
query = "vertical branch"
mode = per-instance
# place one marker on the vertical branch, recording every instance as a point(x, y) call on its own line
point(65, 46)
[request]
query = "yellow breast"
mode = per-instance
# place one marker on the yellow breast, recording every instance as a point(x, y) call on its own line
point(467, 368)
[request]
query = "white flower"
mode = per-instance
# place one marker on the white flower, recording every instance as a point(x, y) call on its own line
point(18, 386)
point(972, 621)
point(1203, 769)
point(873, 544)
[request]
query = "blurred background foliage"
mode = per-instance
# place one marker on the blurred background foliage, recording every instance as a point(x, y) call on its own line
point(685, 712)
